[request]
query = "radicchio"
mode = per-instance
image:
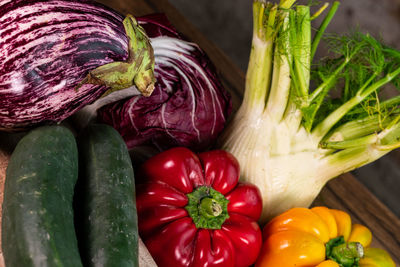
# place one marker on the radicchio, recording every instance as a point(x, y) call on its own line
point(189, 106)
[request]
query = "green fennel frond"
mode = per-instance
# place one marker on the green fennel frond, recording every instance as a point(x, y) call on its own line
point(364, 61)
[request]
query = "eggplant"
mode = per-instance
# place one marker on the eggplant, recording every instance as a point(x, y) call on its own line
point(58, 56)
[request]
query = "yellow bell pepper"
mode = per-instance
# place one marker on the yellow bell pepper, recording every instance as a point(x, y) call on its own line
point(319, 237)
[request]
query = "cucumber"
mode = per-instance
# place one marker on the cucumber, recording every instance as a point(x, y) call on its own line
point(105, 203)
point(38, 224)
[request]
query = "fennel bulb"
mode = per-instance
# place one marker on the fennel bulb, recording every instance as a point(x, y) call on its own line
point(290, 135)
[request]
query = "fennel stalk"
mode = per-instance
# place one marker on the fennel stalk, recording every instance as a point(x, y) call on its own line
point(290, 135)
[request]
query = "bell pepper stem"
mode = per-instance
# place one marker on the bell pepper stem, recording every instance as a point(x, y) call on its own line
point(207, 207)
point(210, 208)
point(346, 254)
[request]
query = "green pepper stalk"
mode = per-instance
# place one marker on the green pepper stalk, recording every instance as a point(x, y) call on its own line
point(346, 254)
point(207, 207)
point(290, 134)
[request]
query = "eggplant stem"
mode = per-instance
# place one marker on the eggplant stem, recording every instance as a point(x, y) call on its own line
point(137, 70)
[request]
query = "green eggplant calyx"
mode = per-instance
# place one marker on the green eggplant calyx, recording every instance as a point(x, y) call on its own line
point(137, 70)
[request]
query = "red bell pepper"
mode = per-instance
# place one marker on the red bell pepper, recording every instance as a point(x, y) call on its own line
point(192, 210)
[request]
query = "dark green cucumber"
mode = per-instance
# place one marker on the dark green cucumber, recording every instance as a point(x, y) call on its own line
point(105, 203)
point(38, 224)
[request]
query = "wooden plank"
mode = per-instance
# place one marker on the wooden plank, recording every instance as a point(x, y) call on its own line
point(134, 7)
point(4, 157)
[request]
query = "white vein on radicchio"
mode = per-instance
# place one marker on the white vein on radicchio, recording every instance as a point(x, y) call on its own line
point(188, 107)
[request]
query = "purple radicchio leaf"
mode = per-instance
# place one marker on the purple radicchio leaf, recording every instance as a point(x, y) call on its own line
point(189, 107)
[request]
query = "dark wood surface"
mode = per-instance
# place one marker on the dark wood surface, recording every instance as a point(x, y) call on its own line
point(345, 192)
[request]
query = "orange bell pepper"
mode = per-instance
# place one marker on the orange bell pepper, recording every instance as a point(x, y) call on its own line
point(320, 237)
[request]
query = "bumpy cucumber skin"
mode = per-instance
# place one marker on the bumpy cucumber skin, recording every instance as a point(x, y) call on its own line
point(38, 224)
point(105, 199)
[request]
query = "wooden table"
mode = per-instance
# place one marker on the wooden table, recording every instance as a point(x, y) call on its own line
point(344, 192)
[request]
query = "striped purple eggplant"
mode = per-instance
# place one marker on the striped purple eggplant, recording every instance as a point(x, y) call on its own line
point(57, 56)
